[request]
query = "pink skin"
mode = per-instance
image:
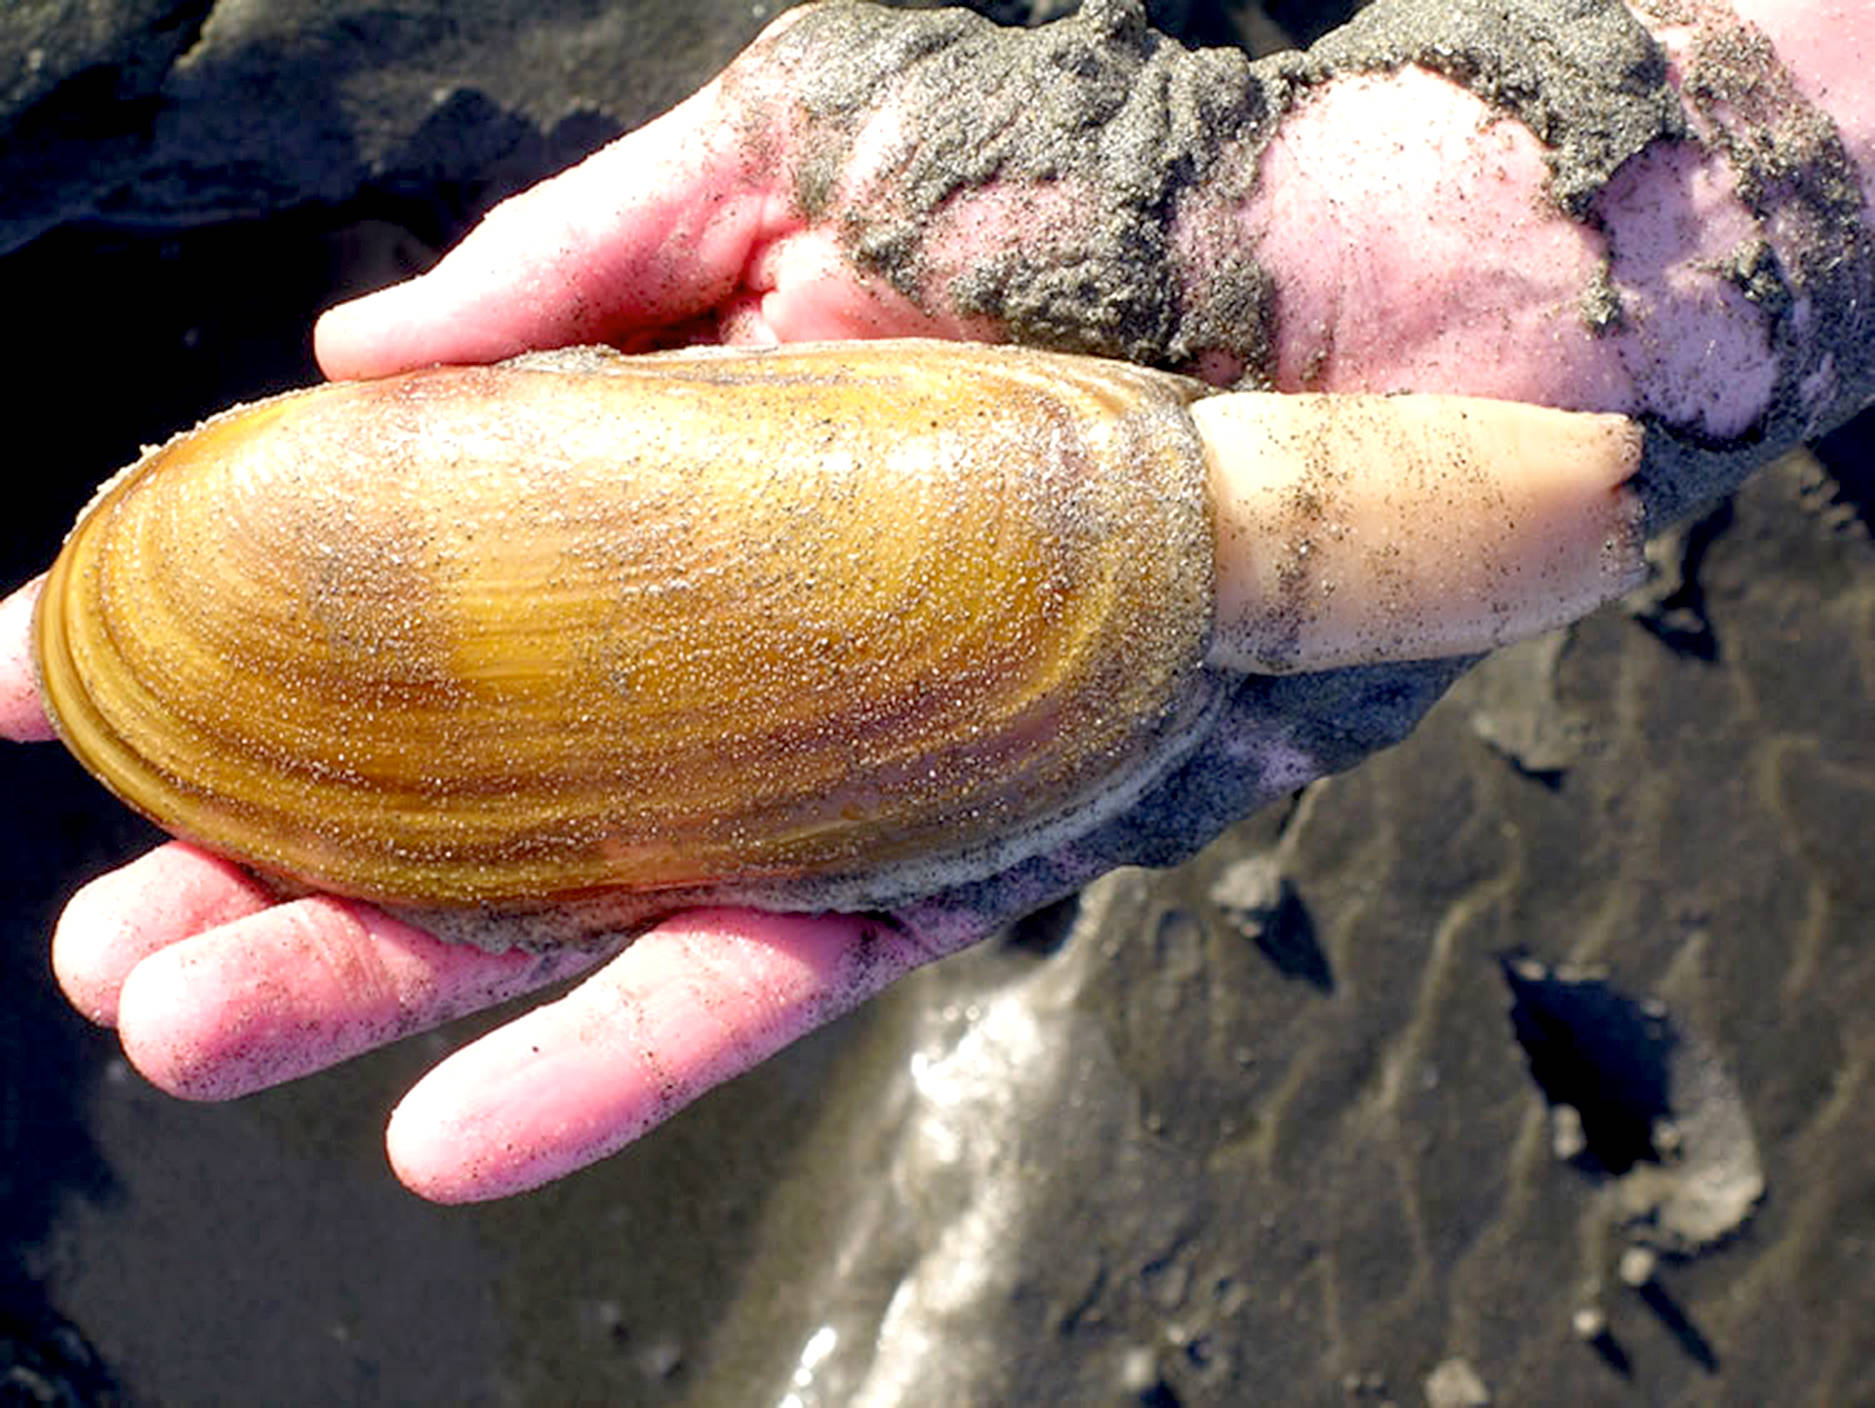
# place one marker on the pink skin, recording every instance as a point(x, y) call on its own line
point(1406, 236)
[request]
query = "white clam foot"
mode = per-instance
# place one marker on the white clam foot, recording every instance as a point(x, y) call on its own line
point(1358, 529)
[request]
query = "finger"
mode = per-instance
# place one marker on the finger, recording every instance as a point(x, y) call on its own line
point(118, 920)
point(22, 717)
point(648, 232)
point(1829, 51)
point(1407, 237)
point(298, 987)
point(805, 288)
point(1439, 259)
point(689, 1005)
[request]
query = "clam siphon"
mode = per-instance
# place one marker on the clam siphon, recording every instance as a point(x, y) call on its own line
point(817, 627)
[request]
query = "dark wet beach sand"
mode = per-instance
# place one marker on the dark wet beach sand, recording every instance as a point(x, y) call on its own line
point(1376, 1100)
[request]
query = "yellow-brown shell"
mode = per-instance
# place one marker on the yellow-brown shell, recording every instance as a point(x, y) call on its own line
point(888, 614)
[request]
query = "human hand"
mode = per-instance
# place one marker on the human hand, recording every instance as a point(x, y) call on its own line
point(689, 229)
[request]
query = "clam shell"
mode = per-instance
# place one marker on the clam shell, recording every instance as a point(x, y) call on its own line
point(821, 626)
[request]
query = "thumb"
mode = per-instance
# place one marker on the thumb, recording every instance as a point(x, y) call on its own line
point(651, 231)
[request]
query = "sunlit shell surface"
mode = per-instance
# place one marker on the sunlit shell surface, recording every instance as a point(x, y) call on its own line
point(892, 613)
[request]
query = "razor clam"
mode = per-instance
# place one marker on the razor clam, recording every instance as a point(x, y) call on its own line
point(815, 627)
